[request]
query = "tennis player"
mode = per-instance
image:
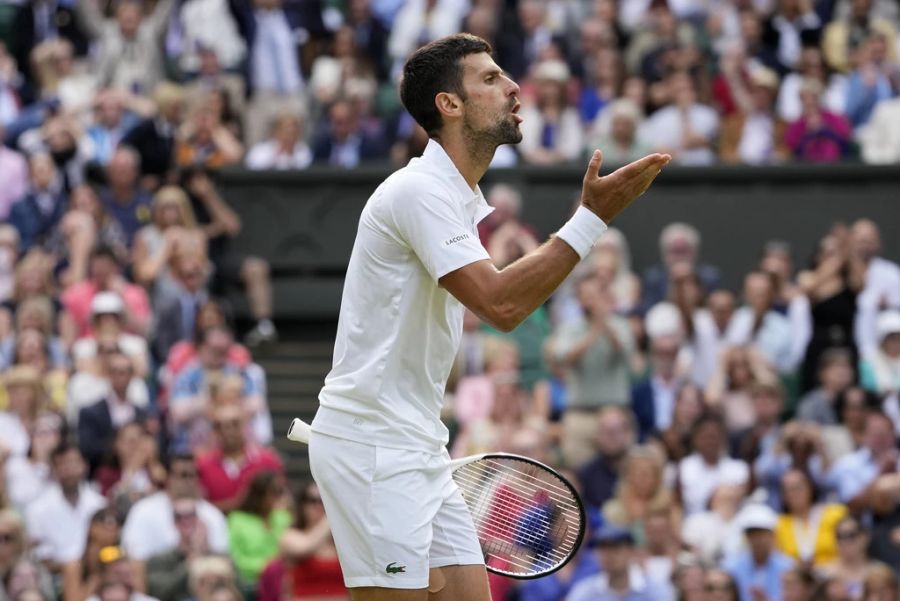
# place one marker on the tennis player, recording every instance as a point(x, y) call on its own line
point(378, 447)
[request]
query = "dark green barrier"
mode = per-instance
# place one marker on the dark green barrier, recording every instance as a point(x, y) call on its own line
point(304, 222)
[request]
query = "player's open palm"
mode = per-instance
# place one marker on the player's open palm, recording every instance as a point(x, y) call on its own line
point(608, 196)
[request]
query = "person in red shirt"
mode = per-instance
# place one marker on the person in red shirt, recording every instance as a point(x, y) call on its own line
point(105, 275)
point(227, 469)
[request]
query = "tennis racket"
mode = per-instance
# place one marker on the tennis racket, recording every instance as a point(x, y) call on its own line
point(529, 519)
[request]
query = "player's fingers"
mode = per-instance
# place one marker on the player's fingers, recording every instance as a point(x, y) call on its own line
point(593, 168)
point(651, 161)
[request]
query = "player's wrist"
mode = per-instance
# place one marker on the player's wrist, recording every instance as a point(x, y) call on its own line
point(582, 230)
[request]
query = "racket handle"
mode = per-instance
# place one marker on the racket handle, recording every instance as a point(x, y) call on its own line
point(299, 431)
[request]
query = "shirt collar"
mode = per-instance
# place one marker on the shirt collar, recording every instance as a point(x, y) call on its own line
point(435, 156)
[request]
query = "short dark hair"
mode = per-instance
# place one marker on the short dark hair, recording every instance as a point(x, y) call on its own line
point(104, 250)
point(435, 68)
point(65, 446)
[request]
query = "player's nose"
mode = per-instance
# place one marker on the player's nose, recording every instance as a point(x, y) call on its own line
point(513, 88)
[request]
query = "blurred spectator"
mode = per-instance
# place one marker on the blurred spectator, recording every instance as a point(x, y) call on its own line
point(551, 128)
point(832, 285)
point(117, 569)
point(767, 398)
point(26, 401)
point(275, 79)
point(720, 586)
point(131, 469)
point(108, 322)
point(256, 525)
point(685, 128)
point(881, 584)
point(129, 47)
point(419, 22)
point(16, 570)
point(710, 326)
point(708, 466)
point(641, 493)
point(123, 199)
point(13, 171)
point(880, 373)
point(342, 142)
point(605, 82)
point(758, 570)
point(594, 351)
point(852, 407)
point(879, 139)
point(284, 149)
point(221, 224)
point(167, 573)
point(104, 275)
point(619, 132)
point(716, 533)
point(799, 584)
point(560, 583)
point(622, 576)
point(31, 473)
point(154, 138)
point(612, 263)
point(523, 37)
point(227, 470)
point(818, 135)
point(836, 373)
point(72, 502)
point(223, 89)
point(852, 566)
point(112, 120)
point(82, 576)
point(98, 423)
point(678, 243)
point(875, 79)
point(204, 140)
point(9, 256)
point(39, 212)
point(653, 398)
point(805, 531)
point(853, 475)
point(150, 528)
point(194, 392)
point(689, 406)
point(858, 20)
point(811, 67)
point(614, 436)
point(171, 234)
point(882, 284)
point(753, 134)
point(209, 573)
point(181, 294)
point(344, 72)
point(758, 325)
point(793, 20)
point(202, 26)
point(35, 23)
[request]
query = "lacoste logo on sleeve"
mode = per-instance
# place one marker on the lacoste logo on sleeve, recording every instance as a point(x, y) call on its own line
point(393, 568)
point(456, 239)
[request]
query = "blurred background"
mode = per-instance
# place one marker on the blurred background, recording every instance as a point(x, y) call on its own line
point(180, 183)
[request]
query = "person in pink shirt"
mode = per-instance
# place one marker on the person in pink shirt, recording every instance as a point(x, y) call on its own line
point(105, 274)
point(226, 470)
point(818, 136)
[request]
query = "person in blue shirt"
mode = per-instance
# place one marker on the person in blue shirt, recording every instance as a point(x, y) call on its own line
point(758, 571)
point(622, 578)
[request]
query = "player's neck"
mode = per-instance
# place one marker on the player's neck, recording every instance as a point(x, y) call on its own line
point(470, 157)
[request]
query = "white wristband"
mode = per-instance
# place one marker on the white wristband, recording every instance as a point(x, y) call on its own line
point(582, 230)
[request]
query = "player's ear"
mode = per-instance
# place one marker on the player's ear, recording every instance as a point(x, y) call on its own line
point(448, 104)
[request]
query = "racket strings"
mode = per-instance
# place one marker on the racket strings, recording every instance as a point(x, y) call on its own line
point(527, 518)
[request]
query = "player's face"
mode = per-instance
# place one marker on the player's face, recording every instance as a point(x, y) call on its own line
point(491, 101)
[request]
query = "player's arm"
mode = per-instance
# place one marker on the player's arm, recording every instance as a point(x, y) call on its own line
point(504, 298)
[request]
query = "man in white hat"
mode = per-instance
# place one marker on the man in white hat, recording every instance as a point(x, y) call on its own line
point(758, 570)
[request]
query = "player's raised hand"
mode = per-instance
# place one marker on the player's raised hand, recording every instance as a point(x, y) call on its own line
point(607, 196)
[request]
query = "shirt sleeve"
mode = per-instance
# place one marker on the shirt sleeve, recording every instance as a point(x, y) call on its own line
point(435, 227)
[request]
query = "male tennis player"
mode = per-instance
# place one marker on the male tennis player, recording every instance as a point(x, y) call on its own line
point(377, 449)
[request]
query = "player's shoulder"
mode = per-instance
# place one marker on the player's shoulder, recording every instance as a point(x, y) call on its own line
point(408, 188)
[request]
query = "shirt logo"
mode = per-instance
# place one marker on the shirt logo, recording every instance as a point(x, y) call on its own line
point(456, 239)
point(393, 568)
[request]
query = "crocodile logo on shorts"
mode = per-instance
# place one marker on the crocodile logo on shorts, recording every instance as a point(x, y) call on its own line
point(393, 568)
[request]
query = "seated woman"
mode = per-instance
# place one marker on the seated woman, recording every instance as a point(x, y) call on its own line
point(81, 577)
point(806, 530)
point(34, 278)
point(254, 529)
point(307, 566)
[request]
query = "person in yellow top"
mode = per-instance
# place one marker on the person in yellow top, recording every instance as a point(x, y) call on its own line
point(806, 530)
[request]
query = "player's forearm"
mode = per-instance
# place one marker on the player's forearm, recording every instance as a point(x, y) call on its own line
point(527, 283)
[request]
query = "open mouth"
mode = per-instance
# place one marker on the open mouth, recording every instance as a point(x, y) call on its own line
point(515, 113)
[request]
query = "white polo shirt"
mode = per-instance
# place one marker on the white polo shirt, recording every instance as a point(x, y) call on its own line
point(398, 331)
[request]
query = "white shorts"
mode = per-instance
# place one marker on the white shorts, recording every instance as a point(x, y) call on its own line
point(394, 514)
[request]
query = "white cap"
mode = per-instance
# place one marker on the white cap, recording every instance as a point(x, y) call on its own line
point(663, 319)
point(107, 302)
point(757, 516)
point(888, 323)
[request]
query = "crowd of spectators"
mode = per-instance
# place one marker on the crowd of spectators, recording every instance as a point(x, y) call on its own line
point(727, 446)
point(739, 446)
